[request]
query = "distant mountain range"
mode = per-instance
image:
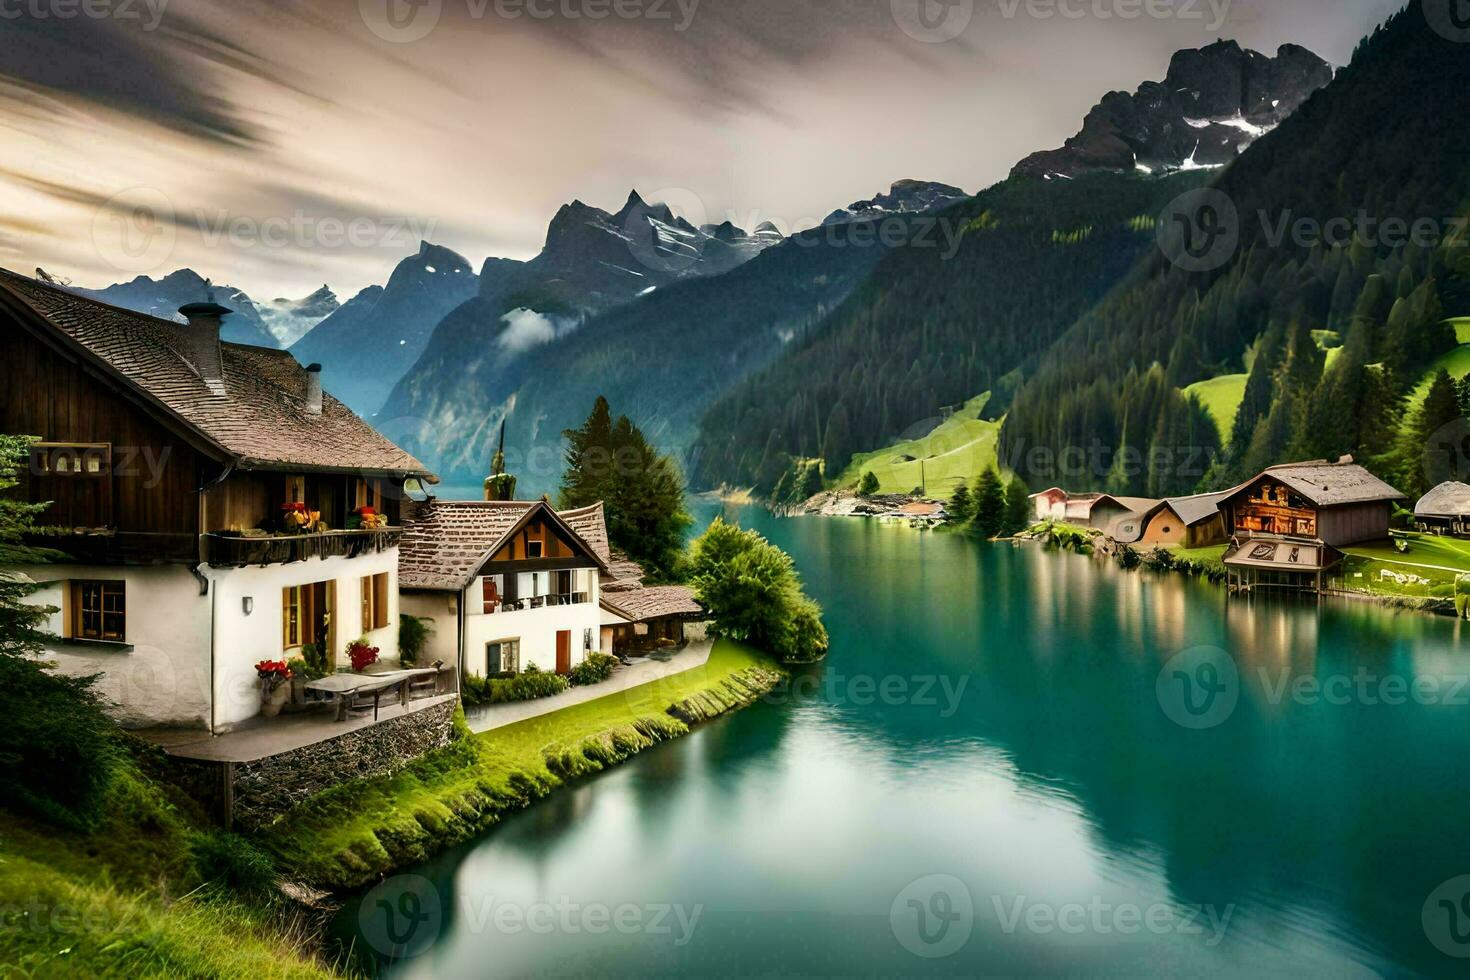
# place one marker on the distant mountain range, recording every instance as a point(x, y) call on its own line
point(163, 297)
point(292, 319)
point(904, 197)
point(1212, 104)
point(367, 344)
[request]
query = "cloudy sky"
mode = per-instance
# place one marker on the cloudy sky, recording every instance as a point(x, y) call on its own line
point(278, 145)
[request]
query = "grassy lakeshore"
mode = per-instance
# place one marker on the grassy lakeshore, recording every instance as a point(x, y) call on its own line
point(350, 834)
point(126, 899)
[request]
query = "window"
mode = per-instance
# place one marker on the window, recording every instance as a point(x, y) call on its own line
point(374, 602)
point(71, 459)
point(99, 611)
point(503, 657)
point(587, 641)
point(491, 595)
point(367, 494)
point(291, 617)
point(295, 490)
point(535, 549)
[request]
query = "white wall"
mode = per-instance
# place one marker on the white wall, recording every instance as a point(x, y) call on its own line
point(535, 628)
point(241, 641)
point(164, 679)
point(442, 610)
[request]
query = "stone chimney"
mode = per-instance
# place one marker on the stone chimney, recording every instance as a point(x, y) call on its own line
point(313, 389)
point(201, 342)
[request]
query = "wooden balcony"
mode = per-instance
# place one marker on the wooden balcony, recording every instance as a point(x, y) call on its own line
point(235, 551)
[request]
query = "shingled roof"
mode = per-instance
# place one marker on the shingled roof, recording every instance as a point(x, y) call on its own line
point(259, 419)
point(1328, 484)
point(445, 542)
point(654, 602)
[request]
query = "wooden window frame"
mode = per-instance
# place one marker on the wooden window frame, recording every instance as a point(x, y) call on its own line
point(535, 548)
point(488, 587)
point(497, 667)
point(374, 602)
point(44, 456)
point(81, 610)
point(291, 597)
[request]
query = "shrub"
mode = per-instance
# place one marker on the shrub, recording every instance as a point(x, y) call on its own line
point(232, 861)
point(413, 636)
point(529, 686)
point(597, 668)
point(314, 656)
point(753, 594)
point(869, 485)
point(59, 753)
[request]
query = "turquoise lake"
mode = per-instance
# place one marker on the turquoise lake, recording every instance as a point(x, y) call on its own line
point(1013, 762)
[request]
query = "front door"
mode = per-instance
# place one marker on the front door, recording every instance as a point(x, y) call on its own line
point(563, 651)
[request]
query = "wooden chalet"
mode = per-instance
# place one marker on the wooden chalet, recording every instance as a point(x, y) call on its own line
point(1444, 510)
point(217, 508)
point(1288, 523)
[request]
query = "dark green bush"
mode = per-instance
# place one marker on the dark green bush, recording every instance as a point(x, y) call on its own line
point(520, 687)
point(60, 752)
point(413, 636)
point(232, 861)
point(597, 668)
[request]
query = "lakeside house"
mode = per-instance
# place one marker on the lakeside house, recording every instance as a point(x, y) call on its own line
point(1287, 524)
point(1189, 522)
point(1121, 518)
point(216, 506)
point(511, 583)
point(1444, 510)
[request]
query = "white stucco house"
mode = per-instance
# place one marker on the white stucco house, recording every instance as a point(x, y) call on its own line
point(509, 584)
point(214, 507)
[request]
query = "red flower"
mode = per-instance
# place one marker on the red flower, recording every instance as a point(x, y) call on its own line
point(273, 668)
point(361, 655)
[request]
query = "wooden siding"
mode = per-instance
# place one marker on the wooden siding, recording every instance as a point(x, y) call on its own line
point(155, 473)
point(553, 544)
point(1353, 523)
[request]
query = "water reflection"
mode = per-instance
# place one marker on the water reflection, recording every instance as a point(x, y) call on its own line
point(1051, 775)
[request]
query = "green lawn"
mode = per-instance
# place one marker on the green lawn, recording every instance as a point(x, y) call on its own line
point(1456, 362)
point(351, 834)
point(958, 450)
point(1222, 397)
point(1438, 560)
point(1210, 556)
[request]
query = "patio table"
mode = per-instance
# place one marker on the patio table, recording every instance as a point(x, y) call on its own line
point(344, 688)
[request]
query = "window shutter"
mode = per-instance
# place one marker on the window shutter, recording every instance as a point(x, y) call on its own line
point(380, 596)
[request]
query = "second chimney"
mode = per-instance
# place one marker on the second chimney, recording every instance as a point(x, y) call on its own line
point(314, 389)
point(201, 342)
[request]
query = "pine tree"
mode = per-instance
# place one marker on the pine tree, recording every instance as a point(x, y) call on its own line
point(1018, 507)
point(869, 485)
point(961, 505)
point(1432, 455)
point(990, 504)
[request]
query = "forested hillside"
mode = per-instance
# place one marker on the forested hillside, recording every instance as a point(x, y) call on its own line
point(933, 326)
point(1378, 165)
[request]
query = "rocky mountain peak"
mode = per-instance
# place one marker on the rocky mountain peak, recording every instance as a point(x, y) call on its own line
point(906, 196)
point(1213, 103)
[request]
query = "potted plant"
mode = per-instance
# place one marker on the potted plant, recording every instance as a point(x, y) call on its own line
point(367, 519)
point(275, 687)
point(362, 654)
point(295, 517)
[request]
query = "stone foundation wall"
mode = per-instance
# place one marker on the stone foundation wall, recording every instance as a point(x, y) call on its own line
point(251, 794)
